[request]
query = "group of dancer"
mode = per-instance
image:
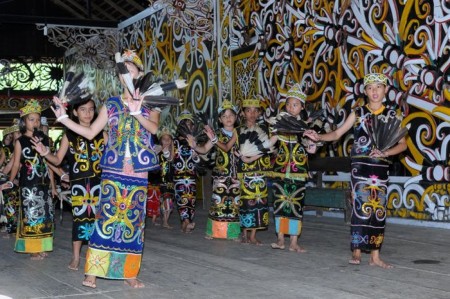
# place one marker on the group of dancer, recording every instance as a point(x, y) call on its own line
point(112, 194)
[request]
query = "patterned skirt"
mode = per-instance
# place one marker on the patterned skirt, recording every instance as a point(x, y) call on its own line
point(11, 209)
point(84, 195)
point(223, 219)
point(369, 187)
point(35, 224)
point(115, 247)
point(185, 195)
point(289, 196)
point(153, 200)
point(167, 197)
point(253, 202)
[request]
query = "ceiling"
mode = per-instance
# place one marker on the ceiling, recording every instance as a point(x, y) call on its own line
point(18, 18)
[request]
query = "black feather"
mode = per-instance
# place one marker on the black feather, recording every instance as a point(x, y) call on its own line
point(288, 124)
point(75, 88)
point(385, 131)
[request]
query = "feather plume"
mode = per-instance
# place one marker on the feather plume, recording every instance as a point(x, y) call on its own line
point(200, 121)
point(252, 142)
point(122, 68)
point(286, 123)
point(385, 131)
point(153, 91)
point(75, 88)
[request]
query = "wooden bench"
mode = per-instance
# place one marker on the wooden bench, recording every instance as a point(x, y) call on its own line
point(323, 197)
point(337, 198)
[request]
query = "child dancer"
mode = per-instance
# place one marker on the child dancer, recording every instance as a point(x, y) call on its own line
point(253, 210)
point(35, 225)
point(223, 219)
point(167, 184)
point(185, 174)
point(290, 171)
point(370, 171)
point(83, 157)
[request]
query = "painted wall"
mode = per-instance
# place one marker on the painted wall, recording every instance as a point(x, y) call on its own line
point(237, 49)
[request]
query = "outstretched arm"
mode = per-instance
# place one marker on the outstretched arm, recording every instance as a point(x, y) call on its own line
point(88, 132)
point(334, 135)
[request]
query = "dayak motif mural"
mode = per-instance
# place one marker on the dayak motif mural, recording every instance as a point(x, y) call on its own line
point(234, 49)
point(328, 46)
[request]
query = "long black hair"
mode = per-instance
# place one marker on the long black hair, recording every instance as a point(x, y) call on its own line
point(77, 105)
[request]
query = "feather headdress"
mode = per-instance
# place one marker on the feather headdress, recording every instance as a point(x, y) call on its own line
point(75, 88)
point(153, 92)
point(385, 131)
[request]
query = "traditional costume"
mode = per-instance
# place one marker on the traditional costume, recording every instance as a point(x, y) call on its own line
point(167, 185)
point(115, 247)
point(83, 157)
point(223, 217)
point(253, 201)
point(369, 177)
point(11, 196)
point(290, 171)
point(184, 173)
point(35, 225)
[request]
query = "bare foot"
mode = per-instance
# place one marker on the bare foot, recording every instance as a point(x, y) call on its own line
point(36, 257)
point(43, 254)
point(134, 283)
point(277, 246)
point(255, 242)
point(167, 226)
point(244, 239)
point(89, 282)
point(355, 260)
point(380, 263)
point(297, 249)
point(74, 264)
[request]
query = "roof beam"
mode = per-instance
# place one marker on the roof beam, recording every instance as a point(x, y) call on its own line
point(136, 5)
point(97, 9)
point(21, 19)
point(69, 9)
point(118, 8)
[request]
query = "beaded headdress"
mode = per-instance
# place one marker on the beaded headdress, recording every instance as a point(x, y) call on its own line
point(32, 106)
point(375, 78)
point(251, 103)
point(131, 56)
point(184, 115)
point(227, 105)
point(13, 128)
point(296, 93)
point(165, 131)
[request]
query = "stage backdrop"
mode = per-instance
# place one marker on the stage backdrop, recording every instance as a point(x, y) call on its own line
point(236, 49)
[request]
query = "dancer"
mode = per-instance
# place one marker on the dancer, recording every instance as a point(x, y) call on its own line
point(165, 137)
point(289, 175)
point(223, 217)
point(184, 173)
point(83, 157)
point(35, 224)
point(370, 170)
point(118, 236)
point(253, 205)
point(11, 196)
